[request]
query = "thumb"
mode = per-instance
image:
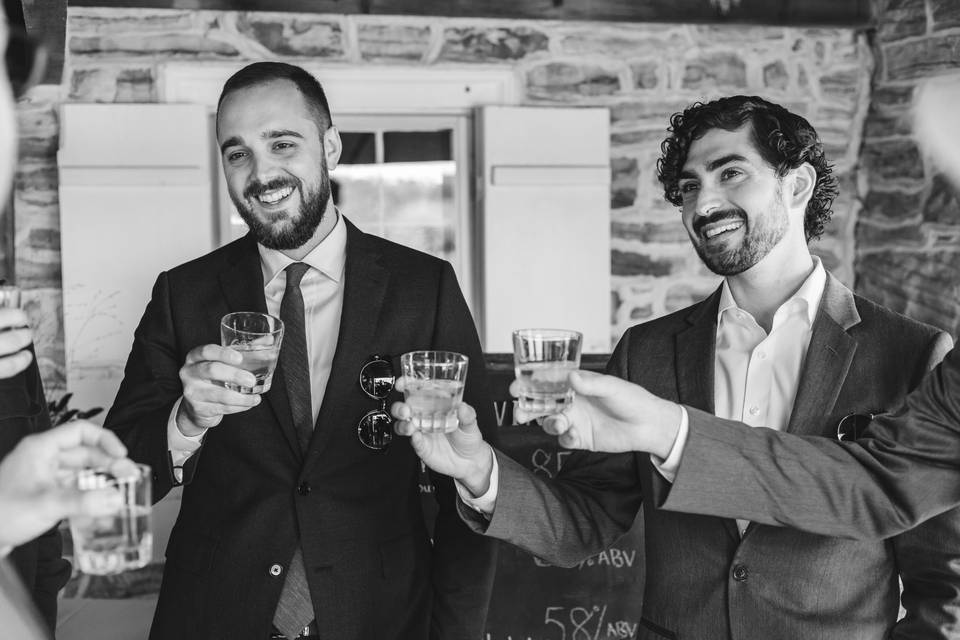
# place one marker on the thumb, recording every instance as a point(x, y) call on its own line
point(589, 383)
point(65, 502)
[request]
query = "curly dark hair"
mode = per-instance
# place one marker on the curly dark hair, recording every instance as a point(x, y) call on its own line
point(783, 139)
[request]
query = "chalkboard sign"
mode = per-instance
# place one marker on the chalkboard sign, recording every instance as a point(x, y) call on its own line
point(598, 600)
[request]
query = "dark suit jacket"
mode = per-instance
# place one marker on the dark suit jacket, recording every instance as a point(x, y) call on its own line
point(905, 470)
point(251, 494)
point(23, 410)
point(703, 580)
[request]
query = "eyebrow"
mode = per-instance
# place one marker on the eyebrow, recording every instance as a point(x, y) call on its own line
point(714, 164)
point(267, 135)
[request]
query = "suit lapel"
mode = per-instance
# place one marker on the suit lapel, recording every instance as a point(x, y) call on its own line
point(365, 282)
point(828, 359)
point(695, 353)
point(242, 285)
point(696, 350)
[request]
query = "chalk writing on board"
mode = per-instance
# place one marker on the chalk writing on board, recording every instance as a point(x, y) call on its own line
point(546, 462)
point(612, 557)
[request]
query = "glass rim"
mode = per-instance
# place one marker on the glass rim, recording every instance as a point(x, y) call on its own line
point(437, 357)
point(548, 334)
point(143, 472)
point(271, 318)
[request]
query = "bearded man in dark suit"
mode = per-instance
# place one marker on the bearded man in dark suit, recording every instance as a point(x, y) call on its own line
point(781, 344)
point(300, 518)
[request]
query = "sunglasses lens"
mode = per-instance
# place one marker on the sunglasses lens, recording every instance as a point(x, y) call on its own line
point(376, 379)
point(375, 430)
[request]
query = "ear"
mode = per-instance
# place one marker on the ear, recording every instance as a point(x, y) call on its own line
point(804, 179)
point(332, 147)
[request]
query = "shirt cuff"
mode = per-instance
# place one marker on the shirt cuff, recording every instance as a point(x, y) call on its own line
point(181, 447)
point(483, 504)
point(668, 468)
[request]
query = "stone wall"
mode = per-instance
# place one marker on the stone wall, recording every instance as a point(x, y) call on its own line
point(643, 73)
point(908, 237)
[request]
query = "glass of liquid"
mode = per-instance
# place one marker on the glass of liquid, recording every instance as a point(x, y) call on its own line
point(433, 384)
point(108, 544)
point(543, 360)
point(257, 337)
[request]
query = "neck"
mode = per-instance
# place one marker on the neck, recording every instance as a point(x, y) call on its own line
point(327, 223)
point(763, 288)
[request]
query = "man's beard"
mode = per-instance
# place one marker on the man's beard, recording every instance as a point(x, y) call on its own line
point(278, 235)
point(758, 240)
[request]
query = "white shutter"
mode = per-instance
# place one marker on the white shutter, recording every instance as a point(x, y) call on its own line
point(544, 222)
point(135, 199)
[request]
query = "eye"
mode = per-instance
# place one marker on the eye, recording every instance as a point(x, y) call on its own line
point(283, 146)
point(730, 173)
point(688, 187)
point(236, 156)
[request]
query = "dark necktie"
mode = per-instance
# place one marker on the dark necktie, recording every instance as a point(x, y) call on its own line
point(295, 609)
point(293, 355)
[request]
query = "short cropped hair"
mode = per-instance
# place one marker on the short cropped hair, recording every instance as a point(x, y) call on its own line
point(783, 139)
point(263, 72)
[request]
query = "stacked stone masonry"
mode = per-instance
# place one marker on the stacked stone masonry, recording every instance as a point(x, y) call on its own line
point(908, 233)
point(642, 72)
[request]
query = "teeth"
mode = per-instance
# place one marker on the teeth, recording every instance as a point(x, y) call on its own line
point(715, 231)
point(273, 197)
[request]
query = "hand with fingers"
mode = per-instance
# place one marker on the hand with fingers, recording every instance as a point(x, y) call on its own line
point(462, 454)
point(33, 493)
point(611, 415)
point(15, 337)
point(205, 398)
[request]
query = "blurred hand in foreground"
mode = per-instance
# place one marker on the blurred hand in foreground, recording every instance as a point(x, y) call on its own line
point(35, 492)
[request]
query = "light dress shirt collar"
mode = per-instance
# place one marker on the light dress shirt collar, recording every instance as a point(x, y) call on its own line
point(807, 297)
point(329, 257)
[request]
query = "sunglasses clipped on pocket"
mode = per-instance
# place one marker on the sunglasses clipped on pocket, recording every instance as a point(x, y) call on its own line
point(375, 429)
point(851, 427)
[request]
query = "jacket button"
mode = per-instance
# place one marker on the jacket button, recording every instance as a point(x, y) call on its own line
point(276, 570)
point(304, 488)
point(740, 573)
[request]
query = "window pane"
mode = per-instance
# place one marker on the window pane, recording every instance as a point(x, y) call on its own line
point(358, 148)
point(417, 146)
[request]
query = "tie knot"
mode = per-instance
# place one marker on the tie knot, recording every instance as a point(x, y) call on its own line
point(295, 272)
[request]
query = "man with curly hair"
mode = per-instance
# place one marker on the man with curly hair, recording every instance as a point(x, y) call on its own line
point(781, 343)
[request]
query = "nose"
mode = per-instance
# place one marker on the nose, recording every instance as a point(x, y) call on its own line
point(708, 200)
point(262, 168)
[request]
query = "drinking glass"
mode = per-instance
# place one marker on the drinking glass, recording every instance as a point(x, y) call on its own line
point(120, 541)
point(257, 337)
point(433, 388)
point(543, 360)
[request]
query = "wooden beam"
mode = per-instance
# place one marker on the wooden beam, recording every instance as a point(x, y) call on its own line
point(850, 13)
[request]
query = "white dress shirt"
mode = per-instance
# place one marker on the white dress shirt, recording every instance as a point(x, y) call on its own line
point(756, 374)
point(322, 289)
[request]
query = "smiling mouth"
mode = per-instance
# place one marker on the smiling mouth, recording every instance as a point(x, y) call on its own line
point(717, 229)
point(274, 196)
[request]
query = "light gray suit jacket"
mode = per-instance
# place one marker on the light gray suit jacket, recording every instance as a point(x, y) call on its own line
point(703, 580)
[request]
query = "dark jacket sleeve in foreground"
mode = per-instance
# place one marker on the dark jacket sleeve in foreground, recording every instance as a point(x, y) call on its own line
point(463, 562)
point(926, 559)
point(150, 387)
point(585, 509)
point(39, 562)
point(904, 471)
